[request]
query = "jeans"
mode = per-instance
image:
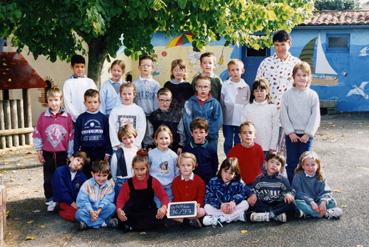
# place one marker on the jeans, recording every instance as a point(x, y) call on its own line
point(294, 151)
point(231, 137)
point(306, 208)
point(84, 215)
point(168, 190)
point(118, 186)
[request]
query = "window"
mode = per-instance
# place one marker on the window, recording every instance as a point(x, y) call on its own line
point(338, 42)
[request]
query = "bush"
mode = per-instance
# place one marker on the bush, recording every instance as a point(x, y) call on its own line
point(337, 5)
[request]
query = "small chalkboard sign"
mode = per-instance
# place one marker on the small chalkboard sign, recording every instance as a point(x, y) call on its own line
point(182, 209)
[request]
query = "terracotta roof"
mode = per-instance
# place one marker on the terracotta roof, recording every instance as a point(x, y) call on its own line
point(326, 18)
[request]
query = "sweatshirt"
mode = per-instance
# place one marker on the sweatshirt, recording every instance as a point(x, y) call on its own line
point(146, 89)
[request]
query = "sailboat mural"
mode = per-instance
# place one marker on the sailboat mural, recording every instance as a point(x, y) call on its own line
point(313, 54)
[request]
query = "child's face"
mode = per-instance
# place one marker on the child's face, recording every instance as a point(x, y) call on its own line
point(78, 69)
point(178, 73)
point(281, 48)
point(145, 67)
point(164, 101)
point(76, 163)
point(54, 103)
point(99, 177)
point(310, 166)
point(127, 95)
point(273, 167)
point(128, 141)
point(140, 170)
point(208, 65)
point(92, 103)
point(163, 140)
point(186, 166)
point(235, 71)
point(301, 79)
point(116, 72)
point(203, 88)
point(199, 136)
point(247, 135)
point(260, 94)
point(227, 175)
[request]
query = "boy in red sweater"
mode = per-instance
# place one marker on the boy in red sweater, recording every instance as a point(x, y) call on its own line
point(189, 187)
point(249, 154)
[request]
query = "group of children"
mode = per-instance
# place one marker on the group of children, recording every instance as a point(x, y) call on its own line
point(95, 171)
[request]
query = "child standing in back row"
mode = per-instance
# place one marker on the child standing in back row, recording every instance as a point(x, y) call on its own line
point(300, 116)
point(234, 97)
point(53, 140)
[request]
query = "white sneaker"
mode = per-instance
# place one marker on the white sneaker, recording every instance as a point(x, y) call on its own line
point(333, 213)
point(259, 217)
point(209, 220)
point(242, 217)
point(50, 206)
point(281, 218)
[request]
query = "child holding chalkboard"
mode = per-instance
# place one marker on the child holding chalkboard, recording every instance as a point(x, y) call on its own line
point(189, 187)
point(225, 198)
point(136, 208)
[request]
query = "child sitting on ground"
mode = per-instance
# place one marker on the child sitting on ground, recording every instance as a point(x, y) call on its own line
point(136, 208)
point(313, 196)
point(66, 183)
point(189, 187)
point(226, 194)
point(95, 200)
point(272, 196)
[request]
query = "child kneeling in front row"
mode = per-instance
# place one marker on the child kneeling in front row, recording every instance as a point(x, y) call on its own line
point(313, 196)
point(272, 196)
point(189, 187)
point(136, 208)
point(225, 198)
point(66, 183)
point(95, 200)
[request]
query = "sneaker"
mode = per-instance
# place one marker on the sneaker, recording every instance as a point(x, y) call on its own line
point(50, 206)
point(209, 220)
point(104, 225)
point(333, 213)
point(300, 214)
point(82, 225)
point(259, 217)
point(242, 217)
point(280, 218)
point(113, 223)
point(195, 223)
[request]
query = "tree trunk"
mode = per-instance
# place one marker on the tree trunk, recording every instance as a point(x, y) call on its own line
point(96, 56)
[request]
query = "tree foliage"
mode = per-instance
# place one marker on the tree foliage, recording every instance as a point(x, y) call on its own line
point(336, 5)
point(59, 28)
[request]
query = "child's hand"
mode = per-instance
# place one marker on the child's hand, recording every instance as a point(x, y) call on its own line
point(121, 214)
point(304, 138)
point(93, 215)
point(74, 205)
point(231, 206)
point(179, 151)
point(161, 212)
point(293, 137)
point(225, 207)
point(40, 156)
point(288, 198)
point(106, 157)
point(252, 200)
point(322, 208)
point(315, 207)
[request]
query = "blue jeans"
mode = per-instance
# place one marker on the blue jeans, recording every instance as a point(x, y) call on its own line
point(83, 214)
point(118, 186)
point(294, 151)
point(306, 208)
point(168, 190)
point(231, 137)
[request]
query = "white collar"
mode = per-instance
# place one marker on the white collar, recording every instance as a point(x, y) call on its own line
point(310, 176)
point(190, 178)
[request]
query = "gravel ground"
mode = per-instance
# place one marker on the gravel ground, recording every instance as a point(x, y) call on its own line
point(343, 144)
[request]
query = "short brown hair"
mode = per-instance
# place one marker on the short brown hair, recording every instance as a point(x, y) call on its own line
point(175, 63)
point(100, 166)
point(207, 54)
point(278, 157)
point(127, 85)
point(230, 163)
point(187, 155)
point(199, 123)
point(54, 91)
point(202, 77)
point(164, 91)
point(144, 57)
point(127, 130)
point(83, 156)
point(305, 67)
point(91, 93)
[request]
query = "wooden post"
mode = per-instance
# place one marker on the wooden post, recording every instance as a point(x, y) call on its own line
point(14, 120)
point(2, 125)
point(27, 113)
point(22, 138)
point(8, 124)
point(2, 209)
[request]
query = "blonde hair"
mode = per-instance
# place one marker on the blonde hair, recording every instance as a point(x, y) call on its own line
point(249, 124)
point(120, 63)
point(163, 128)
point(235, 62)
point(314, 156)
point(187, 155)
point(127, 85)
point(305, 67)
point(54, 91)
point(127, 130)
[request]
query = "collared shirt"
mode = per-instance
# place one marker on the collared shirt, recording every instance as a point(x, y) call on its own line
point(278, 72)
point(310, 176)
point(190, 178)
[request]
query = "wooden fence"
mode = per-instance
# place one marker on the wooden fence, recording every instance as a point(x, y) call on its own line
point(15, 124)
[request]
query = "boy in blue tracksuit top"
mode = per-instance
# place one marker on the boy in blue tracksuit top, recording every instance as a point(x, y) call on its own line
point(202, 104)
point(66, 182)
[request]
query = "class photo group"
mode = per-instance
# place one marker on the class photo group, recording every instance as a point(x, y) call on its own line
point(119, 156)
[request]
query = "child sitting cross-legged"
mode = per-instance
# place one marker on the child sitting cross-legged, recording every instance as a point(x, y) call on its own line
point(136, 208)
point(189, 187)
point(95, 199)
point(226, 194)
point(66, 183)
point(272, 197)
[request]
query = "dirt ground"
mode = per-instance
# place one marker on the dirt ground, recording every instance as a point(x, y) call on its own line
point(342, 142)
